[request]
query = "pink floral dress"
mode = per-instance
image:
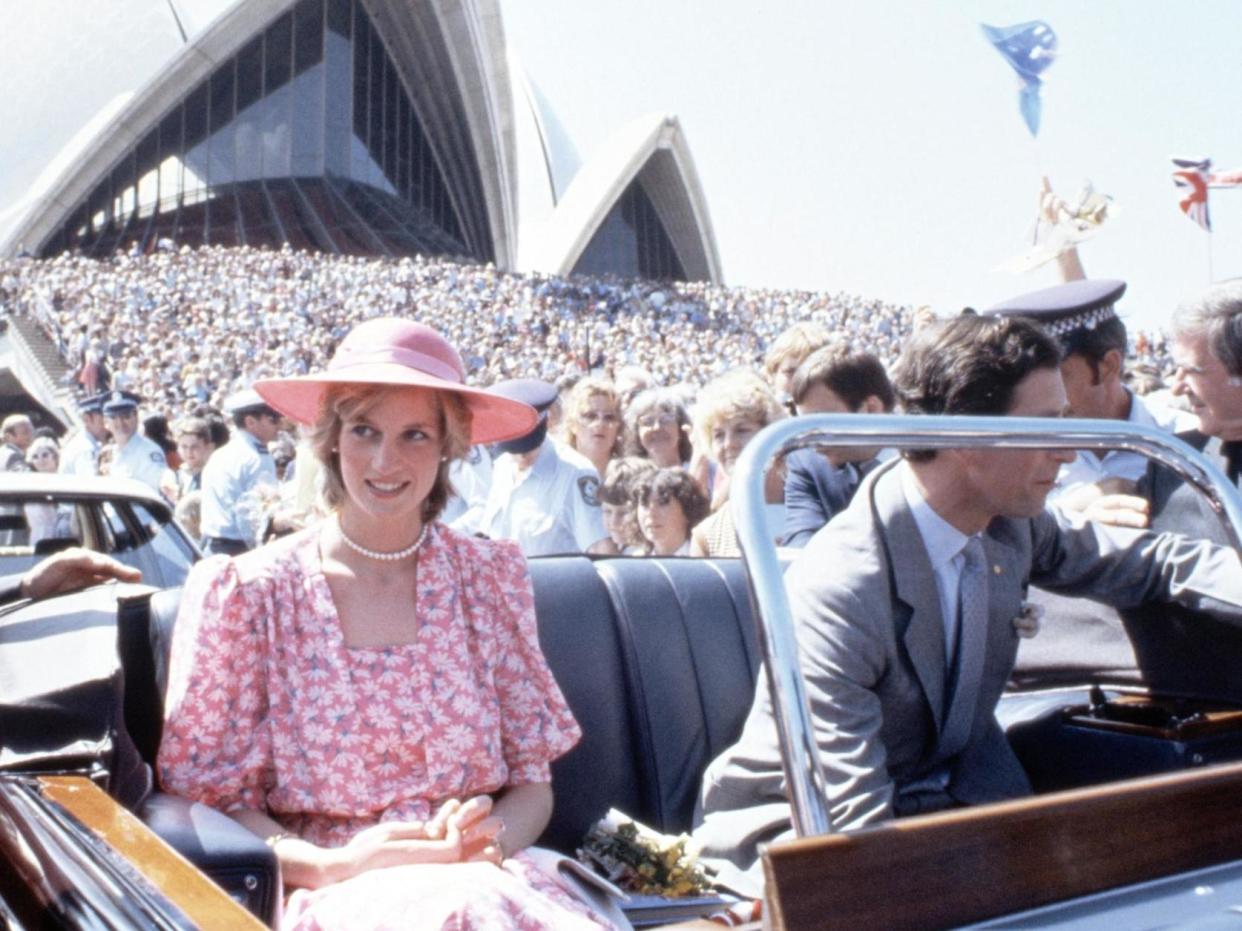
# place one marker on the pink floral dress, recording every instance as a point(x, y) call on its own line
point(268, 709)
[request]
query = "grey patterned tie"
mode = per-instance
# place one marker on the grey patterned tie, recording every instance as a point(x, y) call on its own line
point(965, 671)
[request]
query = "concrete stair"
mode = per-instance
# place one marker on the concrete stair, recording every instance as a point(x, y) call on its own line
point(42, 349)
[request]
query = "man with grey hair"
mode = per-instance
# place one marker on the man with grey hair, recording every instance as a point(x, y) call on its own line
point(1177, 651)
point(1207, 334)
point(1207, 350)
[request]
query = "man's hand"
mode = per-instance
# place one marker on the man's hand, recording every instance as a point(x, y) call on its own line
point(1120, 511)
point(72, 569)
point(1110, 501)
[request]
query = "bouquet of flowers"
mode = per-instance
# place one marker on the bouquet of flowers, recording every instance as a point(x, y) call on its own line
point(640, 860)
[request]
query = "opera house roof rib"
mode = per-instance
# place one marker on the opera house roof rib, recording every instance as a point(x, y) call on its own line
point(438, 128)
point(374, 127)
point(643, 177)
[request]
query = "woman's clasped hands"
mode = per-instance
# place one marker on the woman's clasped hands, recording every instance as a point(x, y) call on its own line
point(458, 832)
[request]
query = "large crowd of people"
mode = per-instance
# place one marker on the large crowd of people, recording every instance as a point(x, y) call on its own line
point(181, 327)
point(185, 332)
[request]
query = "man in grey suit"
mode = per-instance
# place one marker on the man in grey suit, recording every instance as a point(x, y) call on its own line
point(907, 644)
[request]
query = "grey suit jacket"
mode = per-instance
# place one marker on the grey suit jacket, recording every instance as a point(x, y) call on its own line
point(867, 616)
point(1174, 650)
point(1175, 505)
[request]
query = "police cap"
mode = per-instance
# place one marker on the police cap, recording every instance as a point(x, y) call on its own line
point(538, 394)
point(119, 402)
point(1066, 311)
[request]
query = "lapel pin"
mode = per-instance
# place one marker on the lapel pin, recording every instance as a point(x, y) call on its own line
point(996, 570)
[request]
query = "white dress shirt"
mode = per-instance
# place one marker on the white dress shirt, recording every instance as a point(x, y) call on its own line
point(943, 543)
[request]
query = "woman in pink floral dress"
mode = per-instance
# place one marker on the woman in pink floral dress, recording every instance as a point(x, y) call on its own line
point(369, 694)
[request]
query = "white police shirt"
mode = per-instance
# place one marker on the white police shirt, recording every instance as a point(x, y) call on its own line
point(1088, 467)
point(232, 482)
point(471, 478)
point(140, 459)
point(80, 455)
point(552, 508)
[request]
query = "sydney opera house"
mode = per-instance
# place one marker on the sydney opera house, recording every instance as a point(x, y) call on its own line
point(364, 127)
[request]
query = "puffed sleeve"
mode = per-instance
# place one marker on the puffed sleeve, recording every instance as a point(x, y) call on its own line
point(536, 723)
point(216, 747)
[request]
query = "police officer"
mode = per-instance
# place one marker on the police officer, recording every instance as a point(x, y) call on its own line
point(135, 457)
point(543, 495)
point(237, 475)
point(1082, 317)
point(1103, 485)
point(471, 478)
point(80, 455)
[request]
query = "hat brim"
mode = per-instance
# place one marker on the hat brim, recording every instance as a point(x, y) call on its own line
point(493, 420)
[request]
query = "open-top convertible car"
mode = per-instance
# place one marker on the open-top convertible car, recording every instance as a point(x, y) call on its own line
point(1138, 777)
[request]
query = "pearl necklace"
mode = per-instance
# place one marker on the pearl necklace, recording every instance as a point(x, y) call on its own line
point(383, 557)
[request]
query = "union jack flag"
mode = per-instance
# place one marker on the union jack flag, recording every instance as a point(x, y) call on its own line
point(1194, 176)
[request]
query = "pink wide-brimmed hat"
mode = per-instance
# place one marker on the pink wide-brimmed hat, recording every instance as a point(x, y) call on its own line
point(391, 351)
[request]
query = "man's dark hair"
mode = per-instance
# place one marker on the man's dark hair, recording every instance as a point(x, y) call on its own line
point(1095, 343)
point(215, 420)
point(970, 365)
point(194, 426)
point(155, 429)
point(239, 417)
point(219, 430)
point(851, 376)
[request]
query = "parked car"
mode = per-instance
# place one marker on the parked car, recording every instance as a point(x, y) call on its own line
point(41, 513)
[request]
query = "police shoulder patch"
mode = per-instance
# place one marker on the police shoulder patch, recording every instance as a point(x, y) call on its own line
point(157, 457)
point(588, 487)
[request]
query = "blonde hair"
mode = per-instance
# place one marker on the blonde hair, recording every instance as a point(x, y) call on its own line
point(345, 402)
point(579, 397)
point(736, 393)
point(795, 342)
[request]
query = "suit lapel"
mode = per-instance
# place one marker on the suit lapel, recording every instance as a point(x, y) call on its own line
point(1005, 577)
point(915, 587)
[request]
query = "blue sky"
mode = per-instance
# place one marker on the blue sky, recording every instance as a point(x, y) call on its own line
point(878, 148)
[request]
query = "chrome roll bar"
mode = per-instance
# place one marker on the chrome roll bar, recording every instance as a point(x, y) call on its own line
point(805, 778)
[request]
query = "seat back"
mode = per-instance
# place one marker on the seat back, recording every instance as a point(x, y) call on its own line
point(691, 646)
point(657, 658)
point(144, 639)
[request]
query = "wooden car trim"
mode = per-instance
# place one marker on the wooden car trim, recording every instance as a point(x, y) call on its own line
point(190, 893)
point(969, 865)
